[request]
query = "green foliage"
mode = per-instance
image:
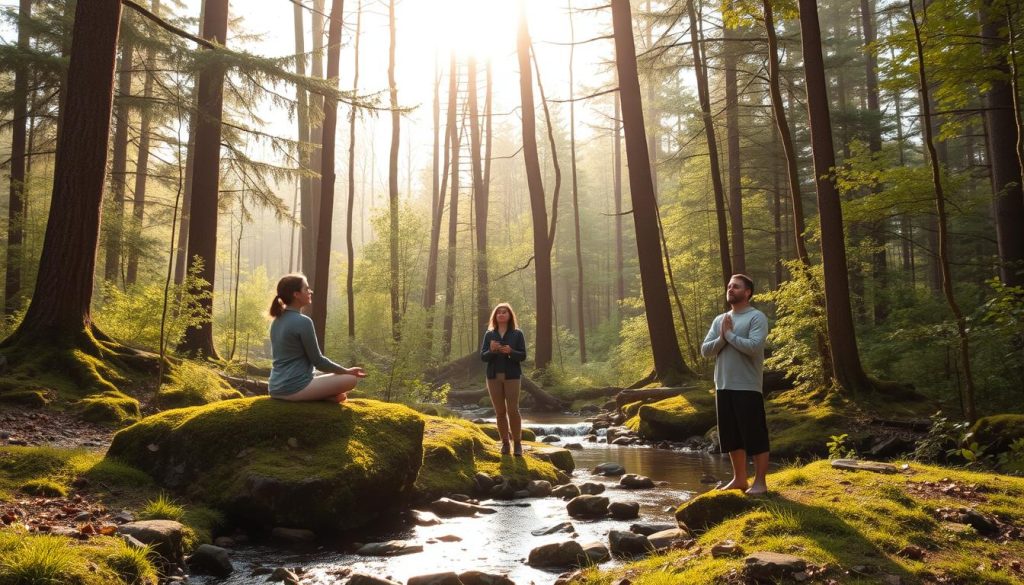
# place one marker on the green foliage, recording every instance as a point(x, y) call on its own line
point(241, 338)
point(133, 316)
point(133, 565)
point(944, 440)
point(38, 560)
point(163, 507)
point(838, 447)
point(632, 357)
point(800, 320)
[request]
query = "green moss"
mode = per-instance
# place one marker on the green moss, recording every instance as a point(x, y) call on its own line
point(44, 487)
point(676, 418)
point(109, 407)
point(996, 433)
point(193, 384)
point(33, 397)
point(454, 450)
point(341, 466)
point(42, 559)
point(491, 430)
point(846, 519)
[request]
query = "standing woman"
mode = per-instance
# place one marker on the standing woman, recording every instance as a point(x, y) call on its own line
point(504, 348)
point(296, 351)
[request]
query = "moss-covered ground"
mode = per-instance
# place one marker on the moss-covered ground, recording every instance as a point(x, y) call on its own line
point(854, 527)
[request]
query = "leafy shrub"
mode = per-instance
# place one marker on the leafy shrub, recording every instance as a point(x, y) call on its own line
point(801, 320)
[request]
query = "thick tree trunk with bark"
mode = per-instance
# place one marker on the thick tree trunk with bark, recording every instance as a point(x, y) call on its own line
point(480, 202)
point(709, 131)
point(60, 306)
point(306, 210)
point(538, 207)
point(316, 138)
point(325, 216)
point(849, 373)
point(350, 292)
point(430, 288)
point(118, 166)
point(967, 392)
point(181, 259)
point(668, 361)
point(453, 240)
point(396, 119)
point(620, 279)
point(202, 234)
point(142, 162)
point(732, 125)
point(879, 270)
point(581, 325)
point(16, 206)
point(1003, 136)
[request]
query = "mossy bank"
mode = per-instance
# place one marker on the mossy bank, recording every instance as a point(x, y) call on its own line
point(853, 527)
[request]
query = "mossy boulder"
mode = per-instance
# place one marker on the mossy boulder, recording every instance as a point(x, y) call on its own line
point(677, 418)
point(192, 384)
point(316, 465)
point(712, 508)
point(111, 406)
point(996, 433)
point(491, 430)
point(455, 450)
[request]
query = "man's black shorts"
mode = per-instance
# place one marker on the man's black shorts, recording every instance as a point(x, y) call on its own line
point(741, 421)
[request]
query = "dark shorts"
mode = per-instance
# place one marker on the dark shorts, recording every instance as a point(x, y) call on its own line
point(741, 421)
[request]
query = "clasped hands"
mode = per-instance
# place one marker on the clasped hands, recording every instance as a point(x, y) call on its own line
point(726, 325)
point(498, 347)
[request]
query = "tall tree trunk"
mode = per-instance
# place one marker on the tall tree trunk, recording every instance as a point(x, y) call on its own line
point(119, 164)
point(142, 163)
point(16, 206)
point(668, 361)
point(316, 138)
point(453, 240)
point(325, 216)
point(480, 203)
point(879, 270)
point(1003, 136)
point(306, 210)
point(620, 279)
point(202, 234)
point(181, 261)
point(60, 307)
point(538, 207)
point(580, 286)
point(652, 107)
point(430, 289)
point(967, 392)
point(849, 373)
point(396, 316)
point(709, 131)
point(349, 246)
point(732, 124)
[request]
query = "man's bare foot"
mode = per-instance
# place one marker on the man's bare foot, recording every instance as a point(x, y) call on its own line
point(733, 485)
point(758, 489)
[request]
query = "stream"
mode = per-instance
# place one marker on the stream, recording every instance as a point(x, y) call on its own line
point(500, 543)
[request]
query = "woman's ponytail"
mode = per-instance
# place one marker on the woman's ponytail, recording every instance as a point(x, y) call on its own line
point(286, 289)
point(276, 307)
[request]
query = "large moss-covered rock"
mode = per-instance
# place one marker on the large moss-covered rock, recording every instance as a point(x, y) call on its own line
point(711, 508)
point(317, 465)
point(677, 418)
point(996, 433)
point(455, 450)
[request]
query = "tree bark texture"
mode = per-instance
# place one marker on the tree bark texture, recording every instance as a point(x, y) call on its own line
point(430, 288)
point(118, 166)
point(202, 234)
point(306, 209)
point(620, 279)
point(350, 292)
point(60, 305)
point(849, 373)
point(16, 206)
point(668, 361)
point(581, 325)
point(538, 207)
point(732, 125)
point(396, 118)
point(453, 240)
point(325, 216)
point(879, 271)
point(480, 202)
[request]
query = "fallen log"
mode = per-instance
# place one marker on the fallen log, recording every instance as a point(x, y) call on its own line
point(646, 395)
point(246, 385)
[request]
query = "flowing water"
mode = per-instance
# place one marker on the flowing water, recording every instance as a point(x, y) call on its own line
point(500, 543)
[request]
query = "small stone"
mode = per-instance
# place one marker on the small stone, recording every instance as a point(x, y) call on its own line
point(609, 469)
point(389, 549)
point(293, 442)
point(446, 507)
point(449, 538)
point(726, 548)
point(448, 578)
point(539, 488)
point(551, 439)
point(588, 506)
point(224, 542)
point(293, 535)
point(557, 554)
point(634, 481)
point(574, 446)
point(597, 552)
point(285, 575)
point(422, 518)
point(624, 510)
point(772, 566)
point(210, 560)
point(480, 578)
point(591, 488)
point(667, 539)
point(858, 465)
point(153, 448)
point(562, 527)
point(484, 483)
point(914, 553)
point(566, 492)
point(628, 543)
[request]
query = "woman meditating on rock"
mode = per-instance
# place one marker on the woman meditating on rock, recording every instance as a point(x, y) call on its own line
point(296, 351)
point(503, 348)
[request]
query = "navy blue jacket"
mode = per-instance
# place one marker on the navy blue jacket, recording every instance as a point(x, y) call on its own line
point(514, 338)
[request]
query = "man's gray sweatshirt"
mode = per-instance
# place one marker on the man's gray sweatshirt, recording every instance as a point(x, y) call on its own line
point(739, 357)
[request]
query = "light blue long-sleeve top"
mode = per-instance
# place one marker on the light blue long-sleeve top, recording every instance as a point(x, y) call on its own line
point(739, 356)
point(296, 352)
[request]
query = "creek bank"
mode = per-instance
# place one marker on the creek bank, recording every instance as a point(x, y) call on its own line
point(820, 523)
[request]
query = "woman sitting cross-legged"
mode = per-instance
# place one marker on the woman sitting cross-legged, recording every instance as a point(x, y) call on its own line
point(296, 351)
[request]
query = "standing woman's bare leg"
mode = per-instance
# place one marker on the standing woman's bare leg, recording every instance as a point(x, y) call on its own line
point(495, 389)
point(515, 420)
point(328, 387)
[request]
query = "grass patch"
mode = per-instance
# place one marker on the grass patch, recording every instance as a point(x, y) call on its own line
point(849, 519)
point(44, 559)
point(46, 488)
point(192, 384)
point(162, 508)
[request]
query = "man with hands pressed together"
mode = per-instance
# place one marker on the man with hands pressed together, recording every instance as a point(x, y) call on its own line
point(736, 340)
